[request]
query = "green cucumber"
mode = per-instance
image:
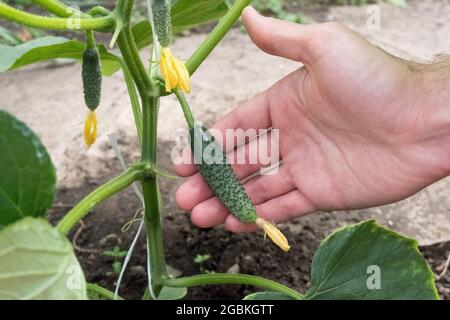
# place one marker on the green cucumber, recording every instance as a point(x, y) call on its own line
point(163, 23)
point(213, 166)
point(219, 175)
point(92, 77)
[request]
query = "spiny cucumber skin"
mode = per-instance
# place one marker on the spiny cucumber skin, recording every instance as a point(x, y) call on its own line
point(163, 24)
point(220, 176)
point(92, 78)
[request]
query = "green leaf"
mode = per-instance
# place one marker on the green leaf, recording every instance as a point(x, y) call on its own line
point(188, 13)
point(349, 262)
point(27, 175)
point(169, 293)
point(37, 262)
point(267, 295)
point(45, 48)
point(185, 14)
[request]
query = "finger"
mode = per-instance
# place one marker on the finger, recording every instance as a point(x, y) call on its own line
point(249, 116)
point(251, 157)
point(263, 188)
point(191, 192)
point(195, 190)
point(277, 37)
point(184, 164)
point(277, 210)
point(209, 213)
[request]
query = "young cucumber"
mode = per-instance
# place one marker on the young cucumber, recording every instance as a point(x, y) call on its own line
point(92, 77)
point(163, 24)
point(91, 72)
point(213, 166)
point(219, 175)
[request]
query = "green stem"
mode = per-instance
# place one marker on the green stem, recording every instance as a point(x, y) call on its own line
point(42, 22)
point(56, 7)
point(134, 63)
point(216, 35)
point(90, 39)
point(149, 84)
point(149, 102)
point(134, 99)
point(103, 292)
point(98, 10)
point(132, 174)
point(152, 199)
point(226, 278)
point(186, 108)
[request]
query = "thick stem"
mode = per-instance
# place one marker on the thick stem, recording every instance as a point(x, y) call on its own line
point(56, 7)
point(225, 278)
point(152, 198)
point(216, 35)
point(42, 22)
point(134, 63)
point(134, 173)
point(149, 102)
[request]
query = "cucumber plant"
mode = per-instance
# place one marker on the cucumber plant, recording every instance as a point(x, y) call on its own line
point(36, 259)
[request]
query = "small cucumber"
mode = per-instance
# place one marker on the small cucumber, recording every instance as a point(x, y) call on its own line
point(92, 77)
point(212, 163)
point(218, 173)
point(163, 24)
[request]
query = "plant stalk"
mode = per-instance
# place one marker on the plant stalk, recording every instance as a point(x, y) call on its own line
point(134, 99)
point(134, 173)
point(152, 198)
point(216, 35)
point(186, 108)
point(150, 188)
point(226, 278)
point(56, 7)
point(42, 22)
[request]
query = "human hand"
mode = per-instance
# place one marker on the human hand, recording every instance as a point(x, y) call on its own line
point(352, 133)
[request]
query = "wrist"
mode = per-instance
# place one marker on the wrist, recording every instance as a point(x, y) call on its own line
point(430, 91)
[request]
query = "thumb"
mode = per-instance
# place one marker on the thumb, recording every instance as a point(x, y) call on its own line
point(280, 38)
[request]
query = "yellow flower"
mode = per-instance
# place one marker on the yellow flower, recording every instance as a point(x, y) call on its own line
point(274, 234)
point(90, 128)
point(174, 72)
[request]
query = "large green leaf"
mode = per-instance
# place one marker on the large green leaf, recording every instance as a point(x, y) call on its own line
point(267, 295)
point(27, 175)
point(45, 48)
point(185, 14)
point(349, 263)
point(37, 262)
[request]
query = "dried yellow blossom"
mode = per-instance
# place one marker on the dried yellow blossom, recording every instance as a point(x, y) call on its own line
point(90, 128)
point(174, 72)
point(274, 234)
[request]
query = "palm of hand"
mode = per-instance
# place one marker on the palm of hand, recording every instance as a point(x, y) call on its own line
point(344, 132)
point(350, 135)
